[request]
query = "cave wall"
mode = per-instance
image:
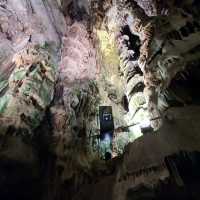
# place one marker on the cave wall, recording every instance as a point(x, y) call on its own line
point(165, 46)
point(59, 60)
point(143, 163)
point(47, 96)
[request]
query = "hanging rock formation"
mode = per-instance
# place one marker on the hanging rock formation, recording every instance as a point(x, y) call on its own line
point(165, 45)
point(60, 60)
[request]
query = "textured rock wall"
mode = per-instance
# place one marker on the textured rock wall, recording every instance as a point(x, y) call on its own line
point(165, 45)
point(30, 37)
point(139, 169)
point(49, 95)
point(28, 29)
point(30, 89)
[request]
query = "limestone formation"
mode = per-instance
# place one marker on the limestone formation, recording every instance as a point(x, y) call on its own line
point(62, 59)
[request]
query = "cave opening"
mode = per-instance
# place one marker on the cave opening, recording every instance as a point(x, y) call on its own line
point(184, 87)
point(133, 43)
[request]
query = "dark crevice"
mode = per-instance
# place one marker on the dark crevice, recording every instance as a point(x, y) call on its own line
point(130, 74)
point(125, 103)
point(77, 12)
point(196, 3)
point(185, 87)
point(19, 182)
point(184, 32)
point(133, 42)
point(137, 88)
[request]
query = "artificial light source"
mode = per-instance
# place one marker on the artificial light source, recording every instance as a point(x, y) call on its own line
point(145, 126)
point(145, 123)
point(107, 138)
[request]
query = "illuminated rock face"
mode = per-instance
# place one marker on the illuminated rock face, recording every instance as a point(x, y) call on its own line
point(59, 60)
point(48, 95)
point(30, 37)
point(78, 55)
point(30, 89)
point(165, 47)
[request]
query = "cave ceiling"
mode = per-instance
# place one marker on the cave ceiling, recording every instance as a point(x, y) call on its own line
point(62, 59)
point(142, 55)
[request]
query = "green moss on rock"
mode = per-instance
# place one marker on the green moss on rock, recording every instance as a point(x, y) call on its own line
point(30, 89)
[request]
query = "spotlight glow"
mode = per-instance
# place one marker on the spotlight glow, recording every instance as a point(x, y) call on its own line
point(145, 123)
point(107, 137)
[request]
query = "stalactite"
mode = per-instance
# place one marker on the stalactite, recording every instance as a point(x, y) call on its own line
point(23, 103)
point(158, 68)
